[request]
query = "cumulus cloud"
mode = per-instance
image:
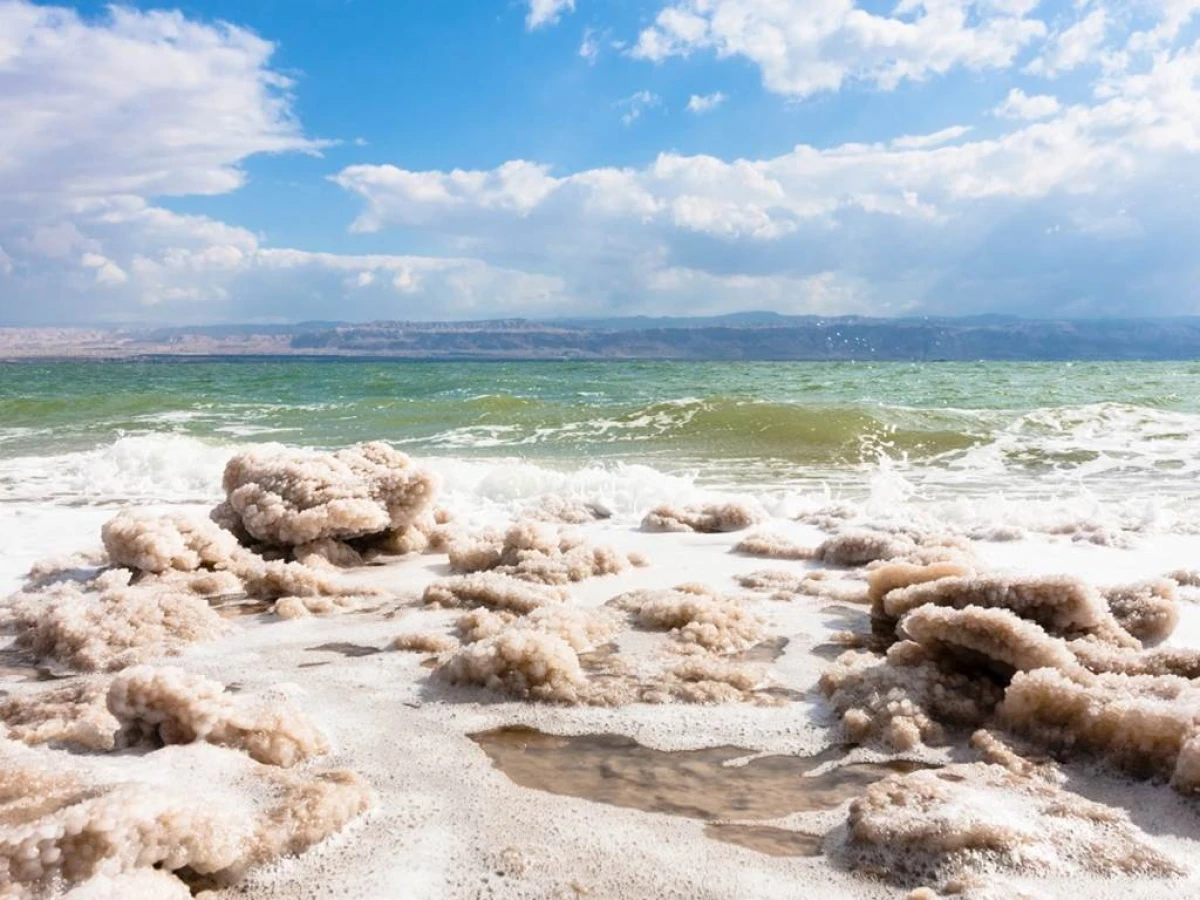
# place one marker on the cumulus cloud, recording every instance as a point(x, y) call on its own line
point(103, 115)
point(1073, 47)
point(917, 222)
point(189, 101)
point(1019, 105)
point(137, 106)
point(703, 103)
point(546, 12)
point(804, 47)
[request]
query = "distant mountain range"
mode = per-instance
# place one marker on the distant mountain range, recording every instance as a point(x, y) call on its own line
point(741, 336)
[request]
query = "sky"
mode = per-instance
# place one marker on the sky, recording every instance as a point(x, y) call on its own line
point(354, 160)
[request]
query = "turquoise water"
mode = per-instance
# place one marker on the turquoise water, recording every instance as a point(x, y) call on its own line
point(792, 411)
point(982, 424)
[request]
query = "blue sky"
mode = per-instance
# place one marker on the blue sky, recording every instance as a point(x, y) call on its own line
point(356, 159)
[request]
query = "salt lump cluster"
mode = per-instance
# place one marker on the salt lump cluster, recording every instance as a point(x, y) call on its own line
point(58, 830)
point(106, 624)
point(1049, 658)
point(289, 498)
point(528, 646)
point(945, 825)
point(533, 551)
point(75, 819)
point(695, 615)
point(171, 706)
point(323, 508)
point(710, 518)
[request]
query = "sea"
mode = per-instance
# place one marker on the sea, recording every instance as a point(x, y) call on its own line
point(1085, 470)
point(1120, 438)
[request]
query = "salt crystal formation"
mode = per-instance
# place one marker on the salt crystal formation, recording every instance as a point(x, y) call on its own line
point(537, 552)
point(1046, 657)
point(294, 497)
point(709, 518)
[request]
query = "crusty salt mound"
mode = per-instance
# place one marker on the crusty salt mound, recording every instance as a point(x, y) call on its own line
point(581, 628)
point(774, 581)
point(567, 511)
point(171, 706)
point(200, 557)
point(857, 547)
point(493, 591)
point(772, 546)
point(1100, 658)
point(1143, 724)
point(59, 829)
point(523, 663)
point(160, 706)
point(159, 543)
point(696, 616)
point(996, 639)
point(71, 714)
point(939, 825)
point(482, 623)
point(112, 628)
point(534, 551)
point(706, 680)
point(884, 579)
point(709, 518)
point(287, 498)
point(1063, 606)
point(902, 700)
point(1148, 610)
point(424, 642)
point(1186, 577)
point(431, 532)
point(275, 579)
point(327, 553)
point(77, 567)
point(860, 546)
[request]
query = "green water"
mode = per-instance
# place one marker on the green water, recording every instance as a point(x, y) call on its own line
point(816, 414)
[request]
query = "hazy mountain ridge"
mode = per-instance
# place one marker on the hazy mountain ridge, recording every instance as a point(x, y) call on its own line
point(742, 336)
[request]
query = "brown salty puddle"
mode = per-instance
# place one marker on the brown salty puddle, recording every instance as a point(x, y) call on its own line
point(697, 784)
point(767, 839)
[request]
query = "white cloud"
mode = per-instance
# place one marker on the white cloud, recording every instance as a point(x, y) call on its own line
point(108, 273)
point(145, 103)
point(918, 222)
point(636, 104)
point(1029, 212)
point(99, 116)
point(1073, 47)
point(1019, 105)
point(804, 47)
point(589, 46)
point(546, 12)
point(927, 141)
point(703, 103)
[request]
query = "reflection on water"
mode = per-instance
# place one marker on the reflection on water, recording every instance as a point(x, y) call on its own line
point(697, 784)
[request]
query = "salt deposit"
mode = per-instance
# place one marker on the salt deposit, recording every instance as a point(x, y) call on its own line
point(293, 497)
point(536, 552)
point(187, 747)
point(713, 517)
point(936, 826)
point(695, 615)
